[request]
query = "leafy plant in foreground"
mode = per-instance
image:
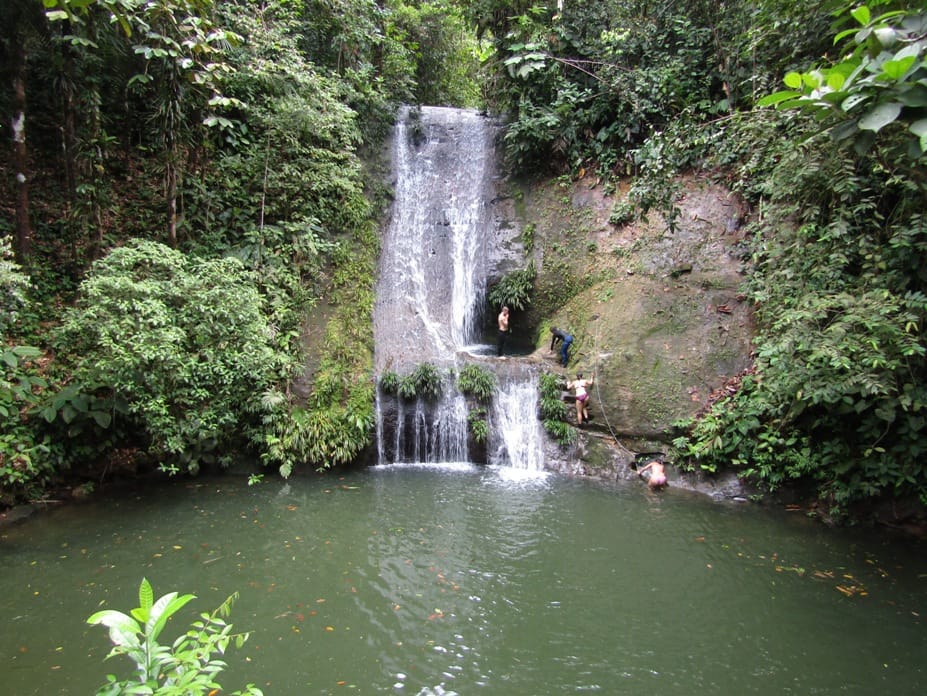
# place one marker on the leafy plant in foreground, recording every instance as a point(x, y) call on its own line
point(878, 84)
point(188, 666)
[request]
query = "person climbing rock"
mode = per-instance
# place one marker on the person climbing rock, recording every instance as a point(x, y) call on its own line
point(503, 330)
point(657, 478)
point(582, 397)
point(565, 340)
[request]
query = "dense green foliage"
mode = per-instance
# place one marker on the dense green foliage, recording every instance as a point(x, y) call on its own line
point(184, 342)
point(837, 397)
point(244, 136)
point(479, 383)
point(835, 400)
point(26, 456)
point(590, 85)
point(479, 426)
point(190, 665)
point(424, 382)
point(389, 382)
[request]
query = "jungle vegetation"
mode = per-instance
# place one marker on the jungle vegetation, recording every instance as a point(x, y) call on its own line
point(165, 157)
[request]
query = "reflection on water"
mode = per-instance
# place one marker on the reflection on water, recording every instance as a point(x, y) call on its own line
point(451, 578)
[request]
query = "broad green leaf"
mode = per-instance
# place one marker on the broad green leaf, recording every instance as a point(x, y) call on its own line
point(843, 34)
point(813, 79)
point(835, 79)
point(776, 97)
point(102, 418)
point(126, 27)
point(834, 98)
point(894, 69)
point(123, 630)
point(880, 117)
point(163, 609)
point(27, 351)
point(861, 14)
point(915, 96)
point(887, 36)
point(68, 413)
point(909, 51)
point(919, 127)
point(145, 595)
point(853, 101)
point(923, 144)
point(792, 79)
point(145, 599)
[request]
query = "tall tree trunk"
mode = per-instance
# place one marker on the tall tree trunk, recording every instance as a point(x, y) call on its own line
point(69, 139)
point(23, 240)
point(170, 193)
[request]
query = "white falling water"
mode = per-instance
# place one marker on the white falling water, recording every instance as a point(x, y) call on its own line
point(431, 269)
point(431, 291)
point(517, 431)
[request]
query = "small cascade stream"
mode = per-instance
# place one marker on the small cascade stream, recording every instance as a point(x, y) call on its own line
point(431, 298)
point(518, 435)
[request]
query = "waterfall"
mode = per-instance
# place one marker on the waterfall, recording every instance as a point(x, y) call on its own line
point(431, 291)
point(424, 432)
point(431, 266)
point(517, 432)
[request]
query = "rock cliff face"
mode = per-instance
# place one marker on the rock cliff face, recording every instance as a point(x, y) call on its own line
point(656, 313)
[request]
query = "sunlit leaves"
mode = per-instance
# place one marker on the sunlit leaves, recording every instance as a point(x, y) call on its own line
point(880, 81)
point(189, 665)
point(525, 59)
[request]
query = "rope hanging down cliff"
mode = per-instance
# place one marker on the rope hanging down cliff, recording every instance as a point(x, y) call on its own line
point(598, 396)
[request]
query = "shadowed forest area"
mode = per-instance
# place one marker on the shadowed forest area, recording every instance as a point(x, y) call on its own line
point(190, 187)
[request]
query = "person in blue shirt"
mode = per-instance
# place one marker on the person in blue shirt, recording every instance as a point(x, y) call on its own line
point(565, 340)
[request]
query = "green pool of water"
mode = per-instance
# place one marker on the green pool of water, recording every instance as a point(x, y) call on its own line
point(467, 580)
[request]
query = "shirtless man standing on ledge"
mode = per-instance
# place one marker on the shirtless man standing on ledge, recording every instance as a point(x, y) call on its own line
point(503, 329)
